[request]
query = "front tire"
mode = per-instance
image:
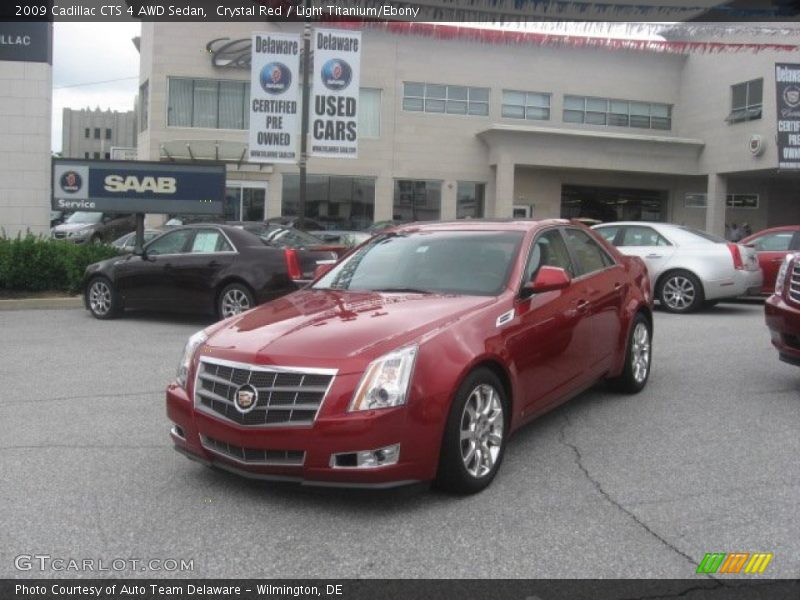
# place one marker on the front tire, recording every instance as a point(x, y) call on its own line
point(638, 356)
point(101, 298)
point(234, 299)
point(680, 292)
point(475, 435)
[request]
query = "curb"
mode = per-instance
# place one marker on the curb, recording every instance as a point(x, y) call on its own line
point(41, 303)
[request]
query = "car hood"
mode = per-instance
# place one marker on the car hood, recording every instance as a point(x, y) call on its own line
point(66, 227)
point(336, 329)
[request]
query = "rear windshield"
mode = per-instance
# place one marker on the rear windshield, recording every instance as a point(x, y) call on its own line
point(690, 235)
point(449, 262)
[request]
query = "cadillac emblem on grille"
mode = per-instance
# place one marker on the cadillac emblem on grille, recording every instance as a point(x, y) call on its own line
point(246, 398)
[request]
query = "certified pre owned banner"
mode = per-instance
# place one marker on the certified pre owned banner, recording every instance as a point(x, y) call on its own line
point(274, 104)
point(787, 94)
point(334, 105)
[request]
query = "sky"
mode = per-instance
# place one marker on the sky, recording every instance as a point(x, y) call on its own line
point(88, 53)
point(85, 53)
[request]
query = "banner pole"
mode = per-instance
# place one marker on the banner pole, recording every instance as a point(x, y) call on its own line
point(304, 119)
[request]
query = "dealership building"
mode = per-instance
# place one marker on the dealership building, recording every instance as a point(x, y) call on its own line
point(511, 124)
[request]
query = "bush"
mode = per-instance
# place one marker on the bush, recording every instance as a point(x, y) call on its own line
point(34, 264)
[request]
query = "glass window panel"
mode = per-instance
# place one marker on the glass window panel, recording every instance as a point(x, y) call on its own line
point(739, 96)
point(541, 100)
point(574, 102)
point(512, 97)
point(540, 114)
point(435, 91)
point(253, 204)
point(456, 107)
point(456, 92)
point(414, 89)
point(478, 108)
point(434, 106)
point(660, 123)
point(619, 106)
point(179, 105)
point(637, 121)
point(596, 118)
point(618, 120)
point(417, 200)
point(204, 113)
point(755, 91)
point(479, 94)
point(470, 200)
point(660, 110)
point(413, 104)
point(170, 243)
point(513, 112)
point(597, 104)
point(573, 116)
point(640, 108)
point(369, 113)
point(231, 106)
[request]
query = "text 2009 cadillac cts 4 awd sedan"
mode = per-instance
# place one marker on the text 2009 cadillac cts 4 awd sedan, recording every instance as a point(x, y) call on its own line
point(415, 357)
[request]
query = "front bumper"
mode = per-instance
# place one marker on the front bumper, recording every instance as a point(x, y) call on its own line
point(741, 283)
point(783, 321)
point(220, 443)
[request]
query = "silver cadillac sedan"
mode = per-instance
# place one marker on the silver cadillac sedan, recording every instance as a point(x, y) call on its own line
point(688, 268)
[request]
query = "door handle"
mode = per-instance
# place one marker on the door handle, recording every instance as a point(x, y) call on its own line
point(213, 263)
point(654, 256)
point(617, 286)
point(777, 260)
point(582, 306)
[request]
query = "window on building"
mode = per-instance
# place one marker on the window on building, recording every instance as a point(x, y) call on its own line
point(208, 103)
point(108, 156)
point(741, 201)
point(85, 155)
point(96, 155)
point(746, 101)
point(87, 133)
point(417, 200)
point(369, 113)
point(144, 100)
point(97, 133)
point(108, 133)
point(451, 99)
point(618, 113)
point(526, 105)
point(336, 202)
point(470, 200)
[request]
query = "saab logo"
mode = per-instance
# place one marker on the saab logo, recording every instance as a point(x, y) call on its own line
point(131, 183)
point(275, 78)
point(720, 562)
point(70, 182)
point(246, 398)
point(336, 74)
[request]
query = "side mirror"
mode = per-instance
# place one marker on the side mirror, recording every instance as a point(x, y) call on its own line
point(322, 269)
point(548, 279)
point(139, 252)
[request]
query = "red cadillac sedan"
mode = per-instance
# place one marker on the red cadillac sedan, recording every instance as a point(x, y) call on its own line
point(415, 357)
point(782, 311)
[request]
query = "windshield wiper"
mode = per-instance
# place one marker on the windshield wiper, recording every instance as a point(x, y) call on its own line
point(401, 290)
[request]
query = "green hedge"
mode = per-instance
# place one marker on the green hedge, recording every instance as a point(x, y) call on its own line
point(34, 264)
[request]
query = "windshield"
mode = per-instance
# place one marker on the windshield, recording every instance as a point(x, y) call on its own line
point(284, 237)
point(88, 218)
point(448, 262)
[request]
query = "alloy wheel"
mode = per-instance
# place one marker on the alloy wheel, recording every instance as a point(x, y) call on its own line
point(678, 293)
point(234, 301)
point(482, 425)
point(100, 298)
point(640, 352)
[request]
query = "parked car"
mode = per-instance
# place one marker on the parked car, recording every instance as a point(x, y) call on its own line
point(308, 223)
point(782, 310)
point(57, 217)
point(195, 268)
point(772, 246)
point(127, 242)
point(346, 239)
point(93, 227)
point(688, 268)
point(416, 356)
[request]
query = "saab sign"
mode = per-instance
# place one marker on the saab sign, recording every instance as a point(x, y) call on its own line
point(137, 187)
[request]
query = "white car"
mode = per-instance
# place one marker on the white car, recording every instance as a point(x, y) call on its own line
point(688, 268)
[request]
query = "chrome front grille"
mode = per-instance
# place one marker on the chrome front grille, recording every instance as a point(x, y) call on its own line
point(285, 395)
point(254, 456)
point(794, 283)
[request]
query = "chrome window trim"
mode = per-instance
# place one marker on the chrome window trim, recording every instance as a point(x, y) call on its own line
point(263, 368)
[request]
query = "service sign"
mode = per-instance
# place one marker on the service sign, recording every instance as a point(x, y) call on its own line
point(274, 98)
point(787, 94)
point(333, 128)
point(137, 187)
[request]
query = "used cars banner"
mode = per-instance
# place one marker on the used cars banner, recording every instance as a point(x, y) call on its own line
point(334, 103)
point(274, 103)
point(137, 187)
point(787, 94)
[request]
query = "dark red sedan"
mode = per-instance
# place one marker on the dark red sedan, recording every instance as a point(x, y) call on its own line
point(416, 356)
point(782, 311)
point(772, 246)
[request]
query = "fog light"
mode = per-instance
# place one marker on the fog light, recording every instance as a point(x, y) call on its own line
point(367, 459)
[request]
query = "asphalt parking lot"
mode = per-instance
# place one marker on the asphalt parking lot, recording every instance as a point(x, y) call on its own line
point(704, 460)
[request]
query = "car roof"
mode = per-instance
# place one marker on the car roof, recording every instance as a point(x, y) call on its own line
point(772, 230)
point(481, 225)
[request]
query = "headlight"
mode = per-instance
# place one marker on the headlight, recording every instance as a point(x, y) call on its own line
point(192, 345)
point(782, 274)
point(78, 234)
point(386, 380)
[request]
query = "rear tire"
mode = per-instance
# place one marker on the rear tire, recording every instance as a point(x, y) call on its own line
point(475, 435)
point(638, 357)
point(234, 299)
point(101, 298)
point(680, 292)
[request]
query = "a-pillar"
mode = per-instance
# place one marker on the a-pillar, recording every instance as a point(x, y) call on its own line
point(715, 204)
